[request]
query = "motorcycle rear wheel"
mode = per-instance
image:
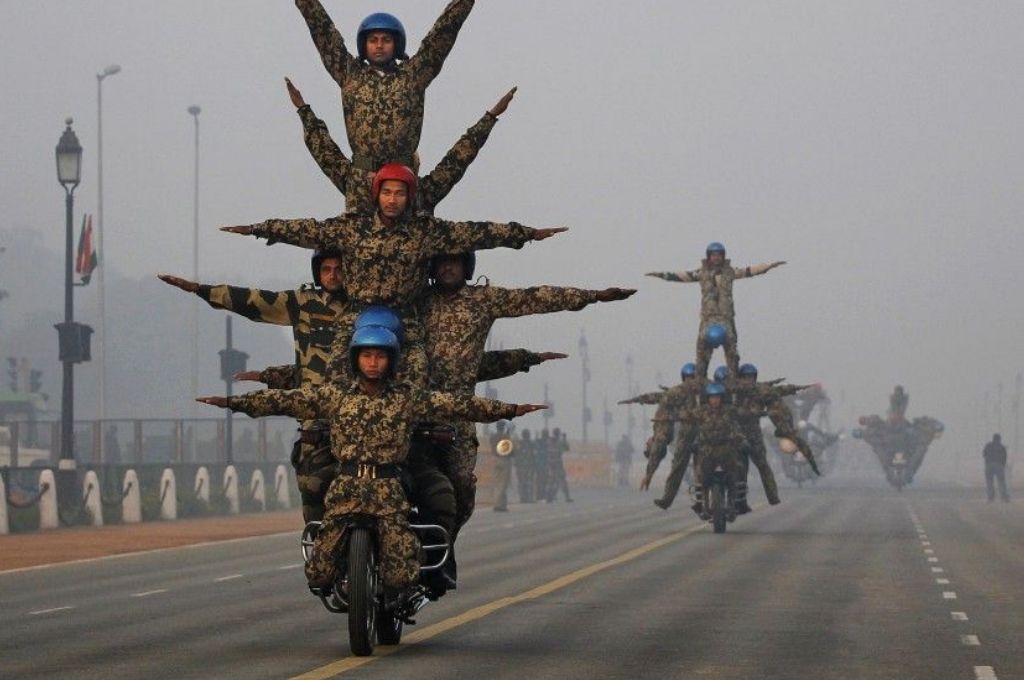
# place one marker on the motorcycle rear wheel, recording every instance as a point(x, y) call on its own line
point(718, 517)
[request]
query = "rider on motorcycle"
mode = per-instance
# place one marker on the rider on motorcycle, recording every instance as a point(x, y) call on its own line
point(720, 439)
point(371, 420)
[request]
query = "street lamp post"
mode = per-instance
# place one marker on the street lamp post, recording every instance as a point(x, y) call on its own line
point(194, 112)
point(69, 174)
point(101, 370)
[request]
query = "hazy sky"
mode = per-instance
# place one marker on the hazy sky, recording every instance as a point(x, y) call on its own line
point(875, 146)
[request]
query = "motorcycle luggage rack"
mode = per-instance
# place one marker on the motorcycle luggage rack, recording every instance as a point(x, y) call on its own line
point(433, 532)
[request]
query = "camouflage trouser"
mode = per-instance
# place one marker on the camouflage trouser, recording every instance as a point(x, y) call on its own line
point(711, 457)
point(525, 476)
point(756, 452)
point(431, 491)
point(542, 476)
point(502, 477)
point(398, 547)
point(680, 459)
point(732, 354)
point(314, 470)
point(459, 465)
point(412, 367)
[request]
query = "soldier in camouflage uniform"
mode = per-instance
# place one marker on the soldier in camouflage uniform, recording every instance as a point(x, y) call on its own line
point(542, 465)
point(679, 404)
point(382, 98)
point(457, 319)
point(355, 183)
point(720, 439)
point(751, 403)
point(371, 422)
point(526, 470)
point(716, 276)
point(773, 397)
point(311, 312)
point(558, 480)
point(385, 257)
point(502, 469)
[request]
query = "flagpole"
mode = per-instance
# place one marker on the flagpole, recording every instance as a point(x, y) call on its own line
point(101, 369)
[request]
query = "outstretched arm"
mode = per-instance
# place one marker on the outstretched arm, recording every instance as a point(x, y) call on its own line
point(265, 306)
point(499, 364)
point(678, 277)
point(446, 174)
point(303, 404)
point(305, 233)
point(755, 270)
point(438, 42)
point(447, 405)
point(329, 43)
point(275, 377)
point(512, 302)
point(321, 146)
point(461, 237)
point(650, 398)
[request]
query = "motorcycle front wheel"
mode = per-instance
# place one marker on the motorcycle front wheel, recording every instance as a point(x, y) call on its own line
point(362, 592)
point(718, 518)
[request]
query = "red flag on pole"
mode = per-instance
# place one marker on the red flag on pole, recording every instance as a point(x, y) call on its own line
point(87, 260)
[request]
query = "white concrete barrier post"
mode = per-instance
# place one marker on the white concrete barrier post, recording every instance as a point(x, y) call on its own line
point(131, 499)
point(48, 517)
point(202, 486)
point(168, 495)
point(231, 488)
point(5, 526)
point(257, 489)
point(281, 487)
point(93, 497)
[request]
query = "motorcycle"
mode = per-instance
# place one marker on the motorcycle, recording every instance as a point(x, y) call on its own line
point(376, 614)
point(898, 471)
point(719, 505)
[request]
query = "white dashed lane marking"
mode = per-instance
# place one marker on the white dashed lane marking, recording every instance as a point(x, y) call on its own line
point(149, 592)
point(970, 640)
point(948, 595)
point(942, 581)
point(959, 616)
point(49, 611)
point(290, 566)
point(985, 673)
point(232, 577)
point(933, 559)
point(937, 570)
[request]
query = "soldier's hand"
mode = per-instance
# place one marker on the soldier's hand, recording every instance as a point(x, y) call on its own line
point(178, 282)
point(612, 294)
point(656, 275)
point(214, 401)
point(243, 230)
point(645, 483)
point(295, 95)
point(550, 356)
point(541, 234)
point(254, 376)
point(777, 264)
point(503, 103)
point(523, 409)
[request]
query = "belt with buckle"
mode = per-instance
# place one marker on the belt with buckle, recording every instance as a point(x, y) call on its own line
point(370, 471)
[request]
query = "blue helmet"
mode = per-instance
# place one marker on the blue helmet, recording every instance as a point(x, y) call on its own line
point(688, 371)
point(382, 21)
point(715, 247)
point(374, 337)
point(715, 335)
point(378, 315)
point(748, 370)
point(714, 390)
point(721, 374)
point(468, 264)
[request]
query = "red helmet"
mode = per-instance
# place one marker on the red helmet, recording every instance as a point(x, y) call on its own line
point(395, 171)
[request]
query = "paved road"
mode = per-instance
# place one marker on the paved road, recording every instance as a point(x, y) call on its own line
point(837, 582)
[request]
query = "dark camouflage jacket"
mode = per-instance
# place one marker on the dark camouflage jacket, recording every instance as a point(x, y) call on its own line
point(384, 108)
point(719, 429)
point(715, 285)
point(382, 265)
point(356, 184)
point(372, 429)
point(309, 311)
point(677, 405)
point(456, 326)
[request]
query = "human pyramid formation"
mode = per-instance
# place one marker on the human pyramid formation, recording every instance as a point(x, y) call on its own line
point(390, 337)
point(718, 422)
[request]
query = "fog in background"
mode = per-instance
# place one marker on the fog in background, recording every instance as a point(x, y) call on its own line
point(875, 146)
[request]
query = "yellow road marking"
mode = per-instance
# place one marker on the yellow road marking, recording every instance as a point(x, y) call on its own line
point(335, 669)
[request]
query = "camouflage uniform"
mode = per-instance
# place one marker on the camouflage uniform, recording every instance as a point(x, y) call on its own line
point(678, 404)
point(457, 325)
point(522, 458)
point(542, 450)
point(370, 430)
point(716, 306)
point(356, 183)
point(751, 404)
point(311, 313)
point(720, 440)
point(388, 265)
point(782, 417)
point(558, 480)
point(383, 107)
point(502, 472)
